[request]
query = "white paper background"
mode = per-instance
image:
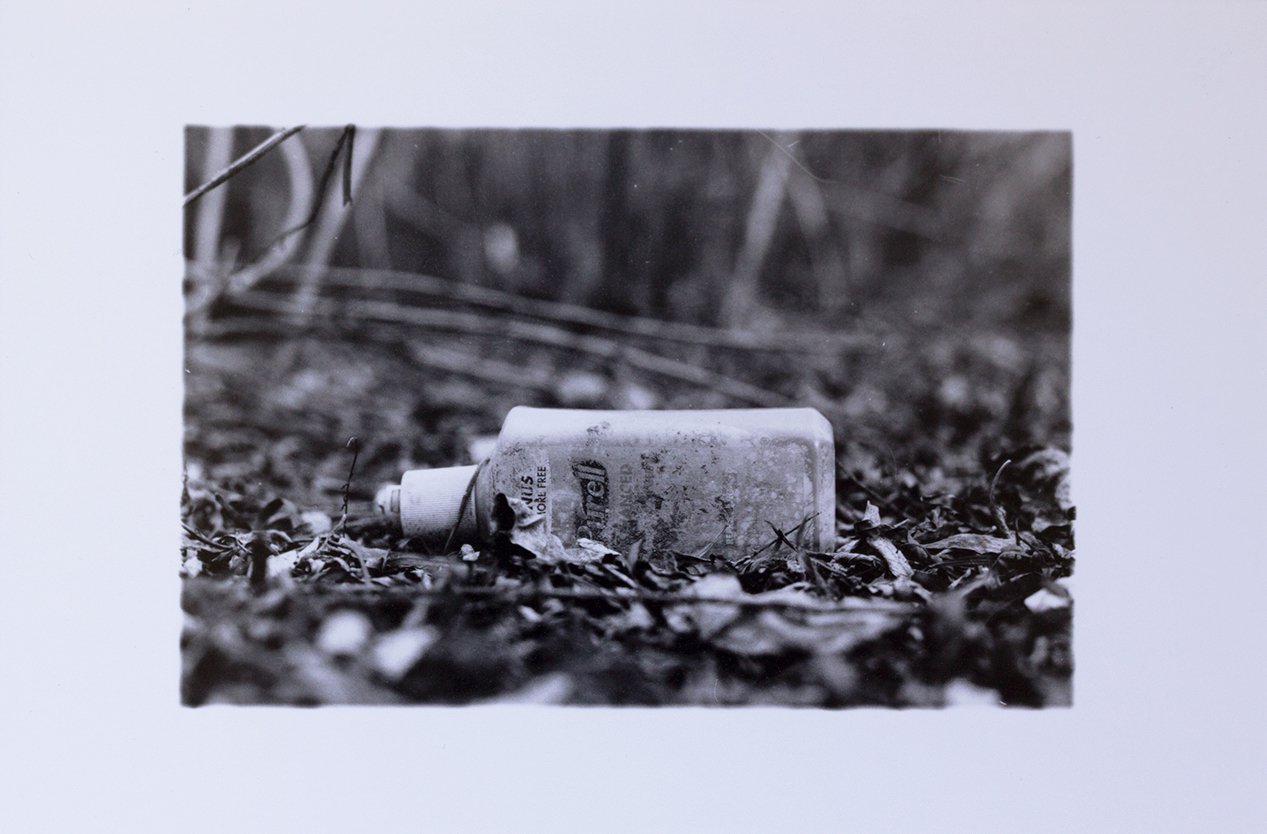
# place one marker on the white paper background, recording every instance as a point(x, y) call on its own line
point(1166, 106)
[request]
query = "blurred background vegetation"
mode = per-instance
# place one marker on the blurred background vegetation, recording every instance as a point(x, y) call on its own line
point(912, 285)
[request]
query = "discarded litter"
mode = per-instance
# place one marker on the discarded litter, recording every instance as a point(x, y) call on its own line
point(681, 481)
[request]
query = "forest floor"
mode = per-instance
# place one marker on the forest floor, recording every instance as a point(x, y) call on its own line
point(943, 587)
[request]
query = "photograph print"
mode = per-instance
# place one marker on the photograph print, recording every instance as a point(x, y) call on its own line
point(618, 417)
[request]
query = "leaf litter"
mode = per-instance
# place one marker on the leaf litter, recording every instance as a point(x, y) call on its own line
point(929, 610)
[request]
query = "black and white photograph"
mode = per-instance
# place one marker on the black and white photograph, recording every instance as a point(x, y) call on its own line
point(627, 417)
point(623, 417)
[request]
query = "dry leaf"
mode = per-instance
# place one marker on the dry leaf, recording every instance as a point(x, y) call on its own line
point(529, 532)
point(374, 558)
point(898, 566)
point(976, 542)
point(715, 617)
point(588, 550)
point(1051, 466)
point(770, 633)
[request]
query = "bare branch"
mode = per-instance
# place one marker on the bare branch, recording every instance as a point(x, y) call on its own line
point(463, 322)
point(243, 162)
point(824, 343)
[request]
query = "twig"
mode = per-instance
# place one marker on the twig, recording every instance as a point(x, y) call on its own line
point(779, 538)
point(330, 220)
point(995, 510)
point(244, 161)
point(782, 538)
point(529, 593)
point(350, 133)
point(795, 161)
point(214, 284)
point(807, 565)
point(302, 195)
point(355, 446)
point(324, 183)
point(462, 322)
point(200, 537)
point(825, 343)
point(479, 367)
point(466, 500)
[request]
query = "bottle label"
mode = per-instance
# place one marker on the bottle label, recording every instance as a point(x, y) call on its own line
point(534, 486)
point(687, 482)
point(595, 498)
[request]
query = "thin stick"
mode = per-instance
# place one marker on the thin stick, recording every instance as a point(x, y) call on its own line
point(324, 183)
point(355, 446)
point(302, 185)
point(525, 594)
point(826, 343)
point(200, 537)
point(466, 500)
point(330, 219)
point(350, 133)
point(461, 322)
point(995, 509)
point(480, 367)
point(249, 158)
point(795, 161)
point(779, 538)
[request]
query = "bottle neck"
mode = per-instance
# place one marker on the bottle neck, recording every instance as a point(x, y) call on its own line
point(428, 502)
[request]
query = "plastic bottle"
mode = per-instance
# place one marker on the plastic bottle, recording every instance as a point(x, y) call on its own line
point(683, 481)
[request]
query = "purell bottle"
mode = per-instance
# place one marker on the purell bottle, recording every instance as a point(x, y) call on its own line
point(670, 480)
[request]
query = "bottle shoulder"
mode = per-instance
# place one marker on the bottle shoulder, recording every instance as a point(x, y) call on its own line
point(528, 425)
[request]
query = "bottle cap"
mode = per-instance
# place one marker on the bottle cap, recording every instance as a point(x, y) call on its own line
point(428, 500)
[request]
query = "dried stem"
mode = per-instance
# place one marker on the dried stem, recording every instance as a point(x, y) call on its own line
point(995, 510)
point(466, 501)
point(355, 446)
point(824, 343)
point(242, 162)
point(860, 606)
point(471, 323)
point(324, 182)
